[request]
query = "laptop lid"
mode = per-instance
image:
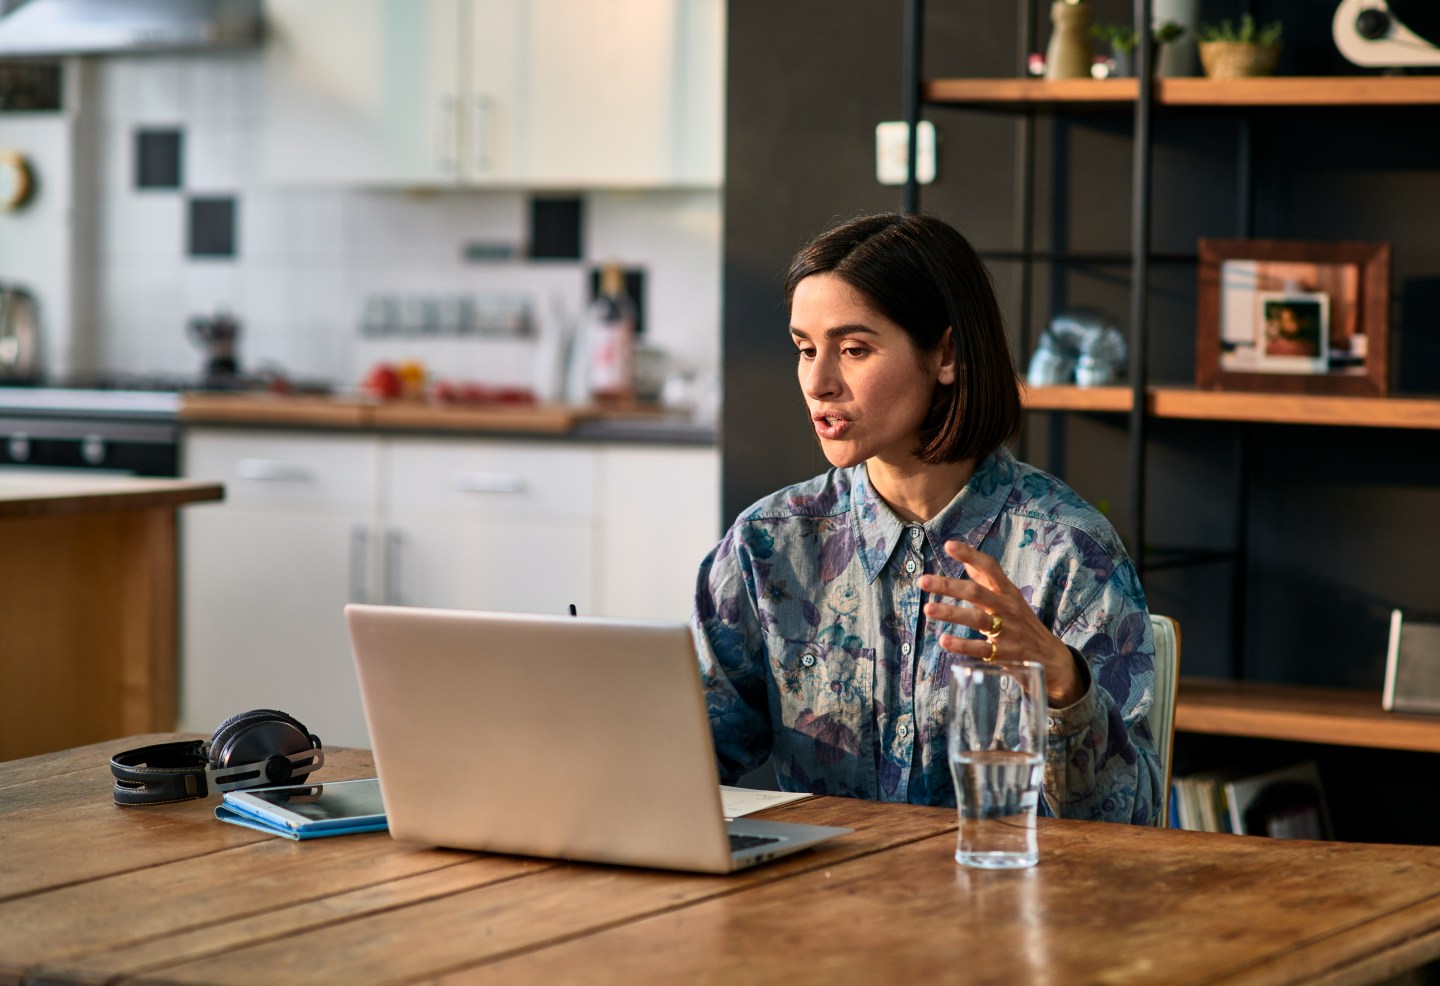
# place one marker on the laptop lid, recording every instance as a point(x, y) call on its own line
point(564, 737)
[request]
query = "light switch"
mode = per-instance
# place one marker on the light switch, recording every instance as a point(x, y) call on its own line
point(892, 147)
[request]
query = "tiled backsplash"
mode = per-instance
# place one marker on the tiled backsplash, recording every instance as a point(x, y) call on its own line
point(307, 260)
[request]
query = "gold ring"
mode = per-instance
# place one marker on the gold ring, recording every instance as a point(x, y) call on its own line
point(996, 625)
point(992, 650)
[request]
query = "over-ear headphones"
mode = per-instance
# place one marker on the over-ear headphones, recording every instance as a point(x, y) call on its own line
point(252, 749)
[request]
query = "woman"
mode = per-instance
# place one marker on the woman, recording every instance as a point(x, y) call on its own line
point(830, 613)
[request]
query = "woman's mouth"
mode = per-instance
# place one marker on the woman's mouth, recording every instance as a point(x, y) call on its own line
point(830, 425)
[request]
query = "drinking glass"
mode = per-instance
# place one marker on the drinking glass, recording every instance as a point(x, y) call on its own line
point(997, 734)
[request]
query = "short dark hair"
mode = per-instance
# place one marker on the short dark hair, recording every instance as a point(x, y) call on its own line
point(923, 275)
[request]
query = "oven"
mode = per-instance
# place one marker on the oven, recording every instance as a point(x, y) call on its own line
point(121, 432)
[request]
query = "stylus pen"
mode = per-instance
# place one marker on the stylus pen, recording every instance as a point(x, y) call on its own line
point(573, 611)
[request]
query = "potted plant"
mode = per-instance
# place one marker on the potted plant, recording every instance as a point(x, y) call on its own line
point(1121, 39)
point(1230, 52)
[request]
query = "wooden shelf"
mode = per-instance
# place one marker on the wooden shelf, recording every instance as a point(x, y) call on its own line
point(1335, 716)
point(1217, 405)
point(1280, 91)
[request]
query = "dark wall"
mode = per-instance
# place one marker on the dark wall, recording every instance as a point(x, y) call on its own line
point(1339, 518)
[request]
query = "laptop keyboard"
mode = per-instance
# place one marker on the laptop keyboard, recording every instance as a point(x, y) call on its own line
point(738, 842)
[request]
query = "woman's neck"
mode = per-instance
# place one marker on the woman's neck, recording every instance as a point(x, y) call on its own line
point(916, 490)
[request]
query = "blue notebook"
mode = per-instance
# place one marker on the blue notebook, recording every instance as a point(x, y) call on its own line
point(307, 811)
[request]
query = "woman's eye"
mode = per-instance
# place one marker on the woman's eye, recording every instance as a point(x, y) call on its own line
point(805, 353)
point(855, 352)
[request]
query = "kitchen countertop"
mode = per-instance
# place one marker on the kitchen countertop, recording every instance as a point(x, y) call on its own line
point(38, 494)
point(590, 423)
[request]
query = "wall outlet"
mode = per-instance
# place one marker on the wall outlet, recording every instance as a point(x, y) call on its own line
point(892, 147)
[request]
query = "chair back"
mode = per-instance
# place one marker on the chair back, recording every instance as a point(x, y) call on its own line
point(1166, 633)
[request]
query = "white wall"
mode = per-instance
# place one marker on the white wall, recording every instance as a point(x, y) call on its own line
point(308, 257)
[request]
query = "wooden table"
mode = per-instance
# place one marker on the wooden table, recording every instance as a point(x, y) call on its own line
point(91, 892)
point(87, 606)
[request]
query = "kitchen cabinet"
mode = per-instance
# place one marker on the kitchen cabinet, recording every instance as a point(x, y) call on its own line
point(558, 93)
point(314, 520)
point(266, 576)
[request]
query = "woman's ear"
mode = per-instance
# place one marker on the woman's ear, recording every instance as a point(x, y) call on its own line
point(945, 352)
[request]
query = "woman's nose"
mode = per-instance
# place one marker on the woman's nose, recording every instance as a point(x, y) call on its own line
point(819, 379)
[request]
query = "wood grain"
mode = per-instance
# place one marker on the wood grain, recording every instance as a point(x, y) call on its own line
point(329, 412)
point(1302, 713)
point(1112, 904)
point(547, 905)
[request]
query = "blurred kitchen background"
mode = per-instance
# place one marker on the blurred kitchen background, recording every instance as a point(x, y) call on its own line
point(356, 181)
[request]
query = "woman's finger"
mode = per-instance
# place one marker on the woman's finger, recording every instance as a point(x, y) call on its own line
point(981, 568)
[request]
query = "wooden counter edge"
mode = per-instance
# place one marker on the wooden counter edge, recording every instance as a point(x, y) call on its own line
point(147, 495)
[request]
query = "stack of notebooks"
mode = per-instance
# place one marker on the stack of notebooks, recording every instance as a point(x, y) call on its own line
point(1283, 803)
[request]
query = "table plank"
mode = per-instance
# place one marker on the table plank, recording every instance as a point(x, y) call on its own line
point(1113, 904)
point(64, 828)
point(432, 936)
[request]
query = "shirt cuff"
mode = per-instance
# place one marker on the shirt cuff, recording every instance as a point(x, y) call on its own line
point(1078, 715)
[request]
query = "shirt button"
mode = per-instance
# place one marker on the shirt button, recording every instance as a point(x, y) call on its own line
point(809, 661)
point(914, 534)
point(905, 647)
point(1054, 722)
point(910, 565)
point(903, 730)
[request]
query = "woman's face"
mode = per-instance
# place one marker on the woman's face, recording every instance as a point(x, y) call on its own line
point(867, 388)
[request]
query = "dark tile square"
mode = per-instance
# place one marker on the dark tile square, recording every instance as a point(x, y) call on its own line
point(157, 158)
point(556, 228)
point(212, 227)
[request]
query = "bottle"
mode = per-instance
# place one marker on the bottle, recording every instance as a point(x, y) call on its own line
point(1068, 54)
point(610, 339)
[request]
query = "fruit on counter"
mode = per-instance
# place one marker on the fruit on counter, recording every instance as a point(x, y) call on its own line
point(383, 380)
point(473, 392)
point(412, 378)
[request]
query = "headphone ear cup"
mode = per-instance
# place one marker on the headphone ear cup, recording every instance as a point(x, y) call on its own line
point(259, 736)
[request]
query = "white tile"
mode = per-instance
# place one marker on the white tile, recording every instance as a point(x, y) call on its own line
point(318, 224)
point(141, 229)
point(221, 86)
point(113, 166)
point(321, 300)
point(266, 228)
point(156, 94)
point(271, 300)
point(209, 286)
point(217, 158)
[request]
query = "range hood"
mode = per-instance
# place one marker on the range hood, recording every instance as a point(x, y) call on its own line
point(96, 27)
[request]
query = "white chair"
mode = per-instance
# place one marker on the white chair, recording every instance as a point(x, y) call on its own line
point(1166, 632)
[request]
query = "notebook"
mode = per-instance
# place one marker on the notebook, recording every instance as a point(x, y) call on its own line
point(564, 737)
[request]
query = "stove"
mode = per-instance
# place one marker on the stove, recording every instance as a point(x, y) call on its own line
point(131, 432)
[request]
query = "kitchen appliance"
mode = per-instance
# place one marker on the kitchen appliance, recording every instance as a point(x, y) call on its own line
point(216, 335)
point(126, 432)
point(19, 336)
point(1388, 33)
point(89, 27)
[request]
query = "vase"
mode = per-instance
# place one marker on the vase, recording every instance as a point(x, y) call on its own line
point(1068, 54)
point(1237, 60)
point(1179, 57)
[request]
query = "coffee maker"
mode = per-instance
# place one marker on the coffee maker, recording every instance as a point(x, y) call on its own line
point(217, 336)
point(19, 336)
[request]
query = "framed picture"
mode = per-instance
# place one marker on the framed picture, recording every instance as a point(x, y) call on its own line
point(1293, 316)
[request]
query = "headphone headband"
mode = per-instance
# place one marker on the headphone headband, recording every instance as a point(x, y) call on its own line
point(276, 749)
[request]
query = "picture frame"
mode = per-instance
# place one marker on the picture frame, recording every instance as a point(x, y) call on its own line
point(1293, 316)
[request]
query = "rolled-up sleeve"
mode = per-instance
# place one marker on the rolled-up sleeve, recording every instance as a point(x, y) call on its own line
point(1101, 763)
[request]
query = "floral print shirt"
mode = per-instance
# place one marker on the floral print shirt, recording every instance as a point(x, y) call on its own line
point(813, 646)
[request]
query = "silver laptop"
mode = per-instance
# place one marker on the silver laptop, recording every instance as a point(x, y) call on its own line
point(563, 737)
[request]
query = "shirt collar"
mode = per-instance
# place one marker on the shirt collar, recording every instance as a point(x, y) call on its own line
point(968, 517)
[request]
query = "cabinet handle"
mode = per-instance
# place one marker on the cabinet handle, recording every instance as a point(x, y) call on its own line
point(445, 136)
point(273, 471)
point(359, 564)
point(487, 482)
point(484, 125)
point(393, 544)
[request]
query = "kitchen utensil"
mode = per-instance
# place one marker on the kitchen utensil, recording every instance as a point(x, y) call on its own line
point(19, 336)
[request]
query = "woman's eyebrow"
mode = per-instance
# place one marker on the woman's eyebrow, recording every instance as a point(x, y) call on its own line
point(835, 331)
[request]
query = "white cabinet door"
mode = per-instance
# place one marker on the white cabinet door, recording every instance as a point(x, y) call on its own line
point(660, 510)
point(266, 576)
point(362, 91)
point(490, 525)
point(623, 94)
point(568, 93)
